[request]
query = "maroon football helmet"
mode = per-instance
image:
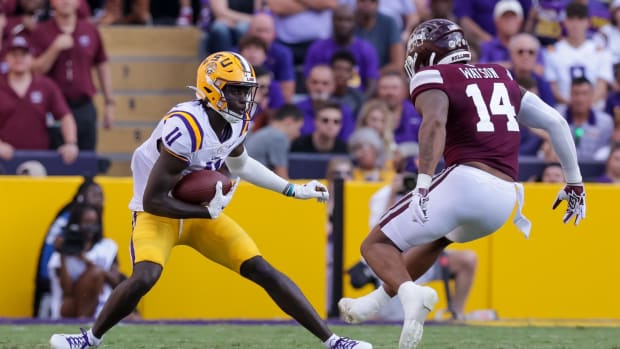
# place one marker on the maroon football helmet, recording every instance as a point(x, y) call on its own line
point(436, 41)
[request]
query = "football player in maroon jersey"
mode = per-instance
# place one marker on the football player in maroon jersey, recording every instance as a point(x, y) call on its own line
point(469, 116)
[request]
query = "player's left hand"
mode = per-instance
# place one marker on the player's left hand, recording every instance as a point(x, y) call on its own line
point(310, 190)
point(575, 195)
point(221, 200)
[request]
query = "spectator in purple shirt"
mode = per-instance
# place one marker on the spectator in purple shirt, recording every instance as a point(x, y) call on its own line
point(612, 105)
point(343, 64)
point(392, 89)
point(254, 49)
point(476, 17)
point(279, 57)
point(321, 51)
point(320, 85)
point(508, 16)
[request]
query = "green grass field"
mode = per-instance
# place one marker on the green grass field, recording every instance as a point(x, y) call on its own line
point(290, 336)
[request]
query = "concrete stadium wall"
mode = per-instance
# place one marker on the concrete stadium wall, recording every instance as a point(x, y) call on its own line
point(560, 272)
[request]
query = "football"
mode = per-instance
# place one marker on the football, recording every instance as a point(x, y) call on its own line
point(198, 187)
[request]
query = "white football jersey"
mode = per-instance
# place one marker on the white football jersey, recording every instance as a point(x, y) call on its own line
point(185, 132)
point(612, 38)
point(564, 62)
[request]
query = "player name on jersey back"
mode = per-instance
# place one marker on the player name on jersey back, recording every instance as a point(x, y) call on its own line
point(479, 73)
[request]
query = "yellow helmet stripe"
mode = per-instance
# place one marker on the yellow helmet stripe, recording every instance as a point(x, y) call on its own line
point(195, 131)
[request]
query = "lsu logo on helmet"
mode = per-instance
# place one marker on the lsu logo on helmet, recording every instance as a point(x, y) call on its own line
point(221, 73)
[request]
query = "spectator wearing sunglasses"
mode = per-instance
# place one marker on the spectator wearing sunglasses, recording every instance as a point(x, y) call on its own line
point(324, 137)
point(508, 17)
point(523, 49)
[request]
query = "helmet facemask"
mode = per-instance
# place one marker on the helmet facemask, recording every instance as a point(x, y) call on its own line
point(237, 102)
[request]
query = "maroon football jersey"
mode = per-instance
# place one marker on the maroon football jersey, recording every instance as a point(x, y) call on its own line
point(482, 117)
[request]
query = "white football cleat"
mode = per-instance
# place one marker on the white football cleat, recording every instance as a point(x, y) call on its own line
point(357, 310)
point(413, 325)
point(73, 341)
point(348, 343)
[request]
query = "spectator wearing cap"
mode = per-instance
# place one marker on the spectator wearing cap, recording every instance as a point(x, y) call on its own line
point(477, 17)
point(24, 17)
point(25, 101)
point(67, 49)
point(508, 15)
point(576, 56)
point(366, 70)
point(279, 57)
point(546, 16)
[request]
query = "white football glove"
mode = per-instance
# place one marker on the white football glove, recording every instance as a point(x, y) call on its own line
point(312, 189)
point(220, 201)
point(575, 196)
point(419, 205)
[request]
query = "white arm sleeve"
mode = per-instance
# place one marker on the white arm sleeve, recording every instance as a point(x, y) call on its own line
point(254, 172)
point(536, 113)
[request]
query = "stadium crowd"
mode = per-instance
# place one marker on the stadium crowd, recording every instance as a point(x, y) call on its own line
point(567, 52)
point(330, 72)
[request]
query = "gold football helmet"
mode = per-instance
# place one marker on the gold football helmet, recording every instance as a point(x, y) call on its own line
point(227, 83)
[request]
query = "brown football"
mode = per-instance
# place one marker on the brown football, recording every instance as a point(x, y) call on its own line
point(198, 187)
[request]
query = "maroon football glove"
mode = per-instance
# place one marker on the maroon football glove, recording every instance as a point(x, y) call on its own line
point(575, 195)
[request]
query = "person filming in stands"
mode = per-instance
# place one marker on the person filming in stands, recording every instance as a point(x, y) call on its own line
point(204, 134)
point(470, 115)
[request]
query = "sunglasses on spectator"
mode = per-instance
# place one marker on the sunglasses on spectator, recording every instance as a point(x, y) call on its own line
point(530, 51)
point(328, 120)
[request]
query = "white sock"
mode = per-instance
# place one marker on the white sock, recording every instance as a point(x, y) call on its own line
point(328, 343)
point(380, 296)
point(92, 338)
point(404, 293)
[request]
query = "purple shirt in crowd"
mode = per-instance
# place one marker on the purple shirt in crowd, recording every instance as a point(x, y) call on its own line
point(367, 68)
point(612, 106)
point(481, 12)
point(280, 62)
point(348, 121)
point(410, 120)
point(494, 51)
point(276, 98)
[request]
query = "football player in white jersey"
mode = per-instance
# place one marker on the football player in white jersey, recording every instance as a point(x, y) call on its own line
point(204, 133)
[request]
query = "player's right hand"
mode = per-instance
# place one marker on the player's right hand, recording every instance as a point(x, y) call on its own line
point(575, 196)
point(221, 200)
point(419, 205)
